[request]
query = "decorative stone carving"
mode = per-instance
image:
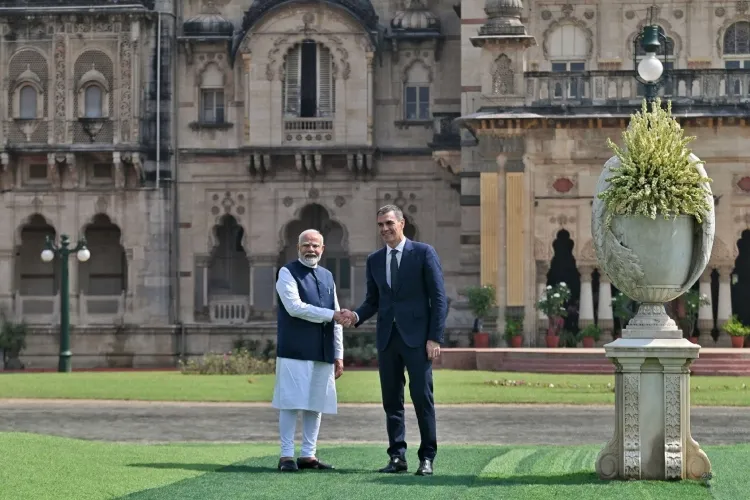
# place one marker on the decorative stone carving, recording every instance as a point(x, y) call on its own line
point(400, 199)
point(651, 345)
point(503, 82)
point(587, 252)
point(126, 88)
point(575, 22)
point(220, 60)
point(412, 63)
point(625, 267)
point(677, 14)
point(719, 12)
point(60, 89)
point(282, 45)
point(563, 185)
point(721, 252)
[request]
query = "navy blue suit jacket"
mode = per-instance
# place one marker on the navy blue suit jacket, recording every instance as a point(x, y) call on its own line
point(418, 304)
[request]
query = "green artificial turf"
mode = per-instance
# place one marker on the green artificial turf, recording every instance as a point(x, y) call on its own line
point(451, 387)
point(42, 467)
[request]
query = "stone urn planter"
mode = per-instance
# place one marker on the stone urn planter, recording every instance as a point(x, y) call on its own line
point(653, 227)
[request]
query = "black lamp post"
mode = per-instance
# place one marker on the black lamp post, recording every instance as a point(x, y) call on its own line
point(63, 251)
point(650, 71)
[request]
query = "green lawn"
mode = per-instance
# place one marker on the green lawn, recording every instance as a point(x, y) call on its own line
point(41, 467)
point(354, 387)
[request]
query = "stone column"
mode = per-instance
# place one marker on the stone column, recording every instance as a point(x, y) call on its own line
point(542, 268)
point(586, 307)
point(705, 312)
point(200, 286)
point(724, 310)
point(604, 309)
point(118, 170)
point(263, 282)
point(370, 97)
point(246, 60)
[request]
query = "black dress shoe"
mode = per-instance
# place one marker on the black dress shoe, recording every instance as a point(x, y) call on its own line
point(312, 464)
point(397, 464)
point(425, 467)
point(288, 465)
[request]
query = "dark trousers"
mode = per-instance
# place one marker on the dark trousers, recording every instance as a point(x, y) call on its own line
point(391, 364)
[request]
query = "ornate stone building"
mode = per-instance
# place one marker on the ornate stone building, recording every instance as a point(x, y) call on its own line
point(190, 142)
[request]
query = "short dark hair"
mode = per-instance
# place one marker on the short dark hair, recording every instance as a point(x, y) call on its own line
point(391, 208)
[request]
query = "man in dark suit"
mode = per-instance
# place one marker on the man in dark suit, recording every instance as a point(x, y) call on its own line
point(405, 288)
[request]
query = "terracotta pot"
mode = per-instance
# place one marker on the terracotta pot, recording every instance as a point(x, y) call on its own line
point(588, 342)
point(516, 341)
point(481, 340)
point(738, 341)
point(694, 340)
point(552, 340)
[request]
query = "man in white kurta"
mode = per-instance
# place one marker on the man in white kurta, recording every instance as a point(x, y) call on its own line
point(305, 386)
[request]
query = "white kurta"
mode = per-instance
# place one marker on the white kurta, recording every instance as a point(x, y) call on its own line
point(301, 384)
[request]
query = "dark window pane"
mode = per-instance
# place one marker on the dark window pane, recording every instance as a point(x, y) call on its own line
point(411, 94)
point(559, 67)
point(579, 66)
point(411, 110)
point(424, 94)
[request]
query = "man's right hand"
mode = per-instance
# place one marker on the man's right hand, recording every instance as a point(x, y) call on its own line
point(344, 317)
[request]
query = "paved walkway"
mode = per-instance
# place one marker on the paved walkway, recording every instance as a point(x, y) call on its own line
point(240, 422)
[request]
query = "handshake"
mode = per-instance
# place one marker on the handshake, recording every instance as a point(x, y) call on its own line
point(345, 318)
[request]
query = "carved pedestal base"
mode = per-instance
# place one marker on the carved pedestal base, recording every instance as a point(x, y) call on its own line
point(652, 412)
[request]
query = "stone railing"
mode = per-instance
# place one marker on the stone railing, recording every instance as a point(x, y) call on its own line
point(229, 309)
point(101, 309)
point(714, 86)
point(308, 130)
point(37, 309)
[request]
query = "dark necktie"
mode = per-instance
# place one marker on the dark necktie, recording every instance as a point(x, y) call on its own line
point(394, 269)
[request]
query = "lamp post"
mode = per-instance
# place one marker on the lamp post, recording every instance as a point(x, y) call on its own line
point(48, 255)
point(650, 71)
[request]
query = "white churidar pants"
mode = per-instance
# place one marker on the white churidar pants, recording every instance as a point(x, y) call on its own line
point(288, 427)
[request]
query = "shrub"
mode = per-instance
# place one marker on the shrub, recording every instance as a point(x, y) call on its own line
point(552, 304)
point(735, 328)
point(237, 362)
point(656, 174)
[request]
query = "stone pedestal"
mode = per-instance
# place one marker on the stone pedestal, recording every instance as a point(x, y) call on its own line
point(652, 408)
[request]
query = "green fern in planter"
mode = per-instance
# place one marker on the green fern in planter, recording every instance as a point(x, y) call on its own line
point(656, 174)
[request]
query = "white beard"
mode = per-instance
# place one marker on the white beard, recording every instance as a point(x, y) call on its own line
point(310, 261)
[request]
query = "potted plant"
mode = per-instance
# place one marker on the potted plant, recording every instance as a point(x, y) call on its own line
point(589, 335)
point(553, 305)
point(513, 331)
point(687, 312)
point(481, 300)
point(653, 217)
point(12, 342)
point(736, 330)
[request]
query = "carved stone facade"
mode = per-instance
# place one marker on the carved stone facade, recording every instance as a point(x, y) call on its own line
point(278, 117)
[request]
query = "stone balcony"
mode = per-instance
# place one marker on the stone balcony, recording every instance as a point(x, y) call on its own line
point(714, 87)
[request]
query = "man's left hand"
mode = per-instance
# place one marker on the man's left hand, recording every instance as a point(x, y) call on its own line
point(338, 365)
point(433, 349)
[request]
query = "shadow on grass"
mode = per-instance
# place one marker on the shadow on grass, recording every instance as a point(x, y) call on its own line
point(245, 469)
point(574, 478)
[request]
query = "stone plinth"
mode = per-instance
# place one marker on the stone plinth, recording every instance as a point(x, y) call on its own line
point(652, 412)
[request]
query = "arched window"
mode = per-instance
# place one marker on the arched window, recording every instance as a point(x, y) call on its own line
point(308, 81)
point(417, 92)
point(28, 107)
point(93, 102)
point(568, 51)
point(212, 95)
point(737, 46)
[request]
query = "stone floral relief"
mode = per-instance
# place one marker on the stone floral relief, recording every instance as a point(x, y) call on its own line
point(126, 90)
point(631, 425)
point(60, 64)
point(542, 250)
point(413, 62)
point(672, 427)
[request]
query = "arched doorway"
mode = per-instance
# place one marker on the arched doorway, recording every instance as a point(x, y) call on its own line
point(563, 268)
point(102, 280)
point(410, 230)
point(335, 257)
point(228, 268)
point(37, 282)
point(740, 282)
